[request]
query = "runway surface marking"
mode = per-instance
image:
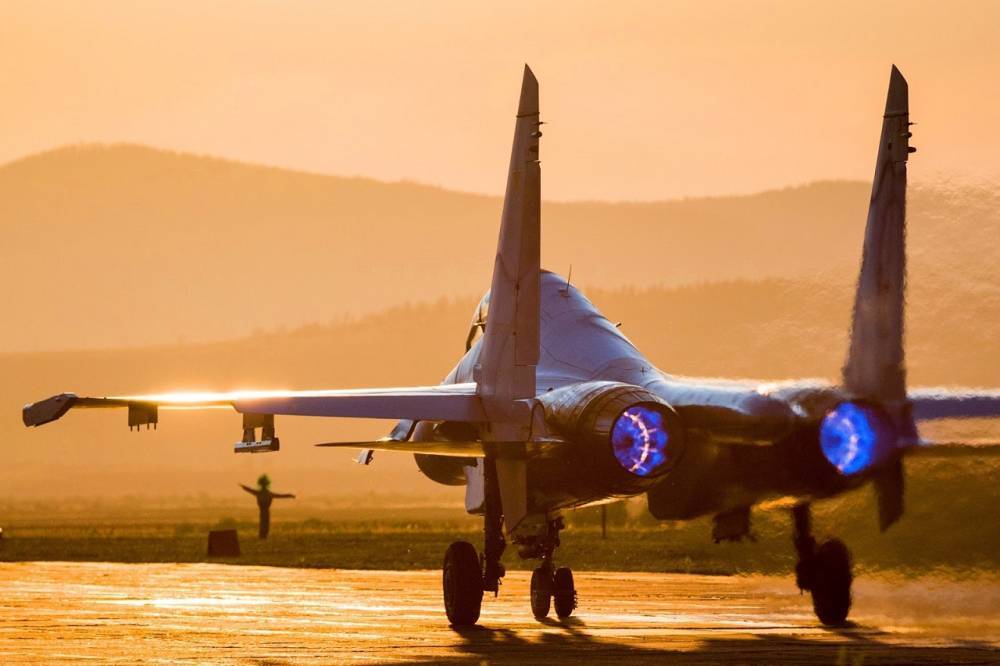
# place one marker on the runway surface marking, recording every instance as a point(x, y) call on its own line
point(196, 613)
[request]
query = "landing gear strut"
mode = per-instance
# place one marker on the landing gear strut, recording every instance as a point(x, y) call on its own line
point(466, 574)
point(824, 569)
point(493, 542)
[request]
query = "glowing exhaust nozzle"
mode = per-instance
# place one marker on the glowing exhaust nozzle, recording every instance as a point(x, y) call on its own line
point(626, 438)
point(640, 439)
point(856, 437)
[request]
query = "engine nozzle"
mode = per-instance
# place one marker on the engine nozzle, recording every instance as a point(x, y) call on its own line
point(856, 437)
point(626, 437)
point(640, 439)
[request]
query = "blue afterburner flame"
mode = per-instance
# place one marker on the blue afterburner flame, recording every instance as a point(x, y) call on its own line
point(639, 440)
point(855, 437)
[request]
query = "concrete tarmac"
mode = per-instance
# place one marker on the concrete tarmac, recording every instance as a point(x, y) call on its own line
point(206, 613)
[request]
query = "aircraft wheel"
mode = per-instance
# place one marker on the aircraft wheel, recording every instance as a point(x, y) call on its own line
point(463, 584)
point(564, 595)
point(541, 592)
point(831, 582)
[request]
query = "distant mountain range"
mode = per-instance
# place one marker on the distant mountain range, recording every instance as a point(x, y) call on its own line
point(126, 245)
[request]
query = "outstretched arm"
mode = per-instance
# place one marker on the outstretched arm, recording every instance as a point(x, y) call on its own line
point(283, 495)
point(250, 490)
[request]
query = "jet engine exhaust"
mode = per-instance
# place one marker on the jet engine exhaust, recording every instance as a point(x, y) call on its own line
point(625, 438)
point(855, 437)
point(640, 440)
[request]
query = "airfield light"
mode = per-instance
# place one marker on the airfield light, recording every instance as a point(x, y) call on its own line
point(639, 439)
point(855, 437)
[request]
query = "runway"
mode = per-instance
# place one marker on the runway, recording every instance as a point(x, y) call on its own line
point(196, 613)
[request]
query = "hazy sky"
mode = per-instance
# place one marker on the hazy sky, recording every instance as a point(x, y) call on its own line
point(643, 99)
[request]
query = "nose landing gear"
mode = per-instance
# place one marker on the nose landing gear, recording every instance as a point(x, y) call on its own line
point(550, 586)
point(552, 589)
point(824, 570)
point(541, 591)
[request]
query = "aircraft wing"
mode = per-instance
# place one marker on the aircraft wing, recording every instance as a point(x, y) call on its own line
point(447, 402)
point(954, 403)
point(954, 450)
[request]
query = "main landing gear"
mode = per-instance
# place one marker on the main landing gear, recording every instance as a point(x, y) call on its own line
point(823, 569)
point(463, 584)
point(468, 575)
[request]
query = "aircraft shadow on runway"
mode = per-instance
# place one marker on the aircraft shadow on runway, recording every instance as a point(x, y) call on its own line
point(854, 644)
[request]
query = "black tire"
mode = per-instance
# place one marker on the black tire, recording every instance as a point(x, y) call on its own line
point(564, 594)
point(462, 581)
point(831, 583)
point(541, 592)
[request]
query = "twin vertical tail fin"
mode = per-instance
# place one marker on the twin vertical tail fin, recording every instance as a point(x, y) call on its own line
point(875, 368)
point(506, 370)
point(505, 373)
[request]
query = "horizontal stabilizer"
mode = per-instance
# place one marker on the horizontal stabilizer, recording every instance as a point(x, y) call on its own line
point(472, 449)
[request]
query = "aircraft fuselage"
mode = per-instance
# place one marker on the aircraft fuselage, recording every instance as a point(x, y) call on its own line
point(745, 441)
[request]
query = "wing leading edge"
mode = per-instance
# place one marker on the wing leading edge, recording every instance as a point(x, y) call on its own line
point(448, 402)
point(954, 403)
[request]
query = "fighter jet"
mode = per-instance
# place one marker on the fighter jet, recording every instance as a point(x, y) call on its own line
point(551, 407)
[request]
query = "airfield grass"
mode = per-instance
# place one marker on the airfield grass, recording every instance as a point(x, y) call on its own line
point(950, 527)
